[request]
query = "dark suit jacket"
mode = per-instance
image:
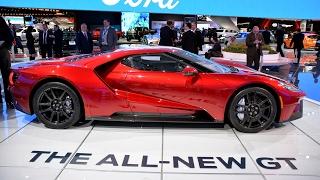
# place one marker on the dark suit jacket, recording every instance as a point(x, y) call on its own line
point(297, 41)
point(167, 36)
point(112, 37)
point(84, 45)
point(266, 36)
point(279, 36)
point(189, 42)
point(58, 38)
point(30, 43)
point(49, 39)
point(251, 47)
point(7, 37)
point(200, 40)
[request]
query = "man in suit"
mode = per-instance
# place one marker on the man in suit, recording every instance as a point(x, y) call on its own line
point(189, 40)
point(6, 40)
point(199, 37)
point(254, 42)
point(17, 40)
point(84, 40)
point(167, 35)
point(58, 39)
point(108, 37)
point(297, 41)
point(45, 41)
point(280, 38)
point(266, 35)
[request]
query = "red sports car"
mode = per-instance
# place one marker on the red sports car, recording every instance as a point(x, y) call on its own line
point(152, 84)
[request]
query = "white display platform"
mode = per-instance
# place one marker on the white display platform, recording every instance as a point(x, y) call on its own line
point(141, 151)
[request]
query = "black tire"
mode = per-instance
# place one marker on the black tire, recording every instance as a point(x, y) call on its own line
point(252, 110)
point(56, 105)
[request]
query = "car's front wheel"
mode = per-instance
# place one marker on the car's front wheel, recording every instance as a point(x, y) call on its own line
point(252, 110)
point(57, 105)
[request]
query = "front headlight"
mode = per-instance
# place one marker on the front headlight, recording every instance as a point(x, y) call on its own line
point(289, 86)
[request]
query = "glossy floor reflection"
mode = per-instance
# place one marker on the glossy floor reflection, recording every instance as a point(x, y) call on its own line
point(149, 151)
point(306, 77)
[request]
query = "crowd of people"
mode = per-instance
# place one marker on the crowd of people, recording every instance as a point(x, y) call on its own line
point(50, 45)
point(256, 40)
point(191, 40)
point(51, 41)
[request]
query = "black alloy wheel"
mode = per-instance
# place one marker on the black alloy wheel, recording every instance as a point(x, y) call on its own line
point(252, 110)
point(57, 105)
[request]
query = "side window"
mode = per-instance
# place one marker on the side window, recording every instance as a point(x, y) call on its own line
point(158, 62)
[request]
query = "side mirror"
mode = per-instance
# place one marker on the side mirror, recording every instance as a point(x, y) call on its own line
point(189, 71)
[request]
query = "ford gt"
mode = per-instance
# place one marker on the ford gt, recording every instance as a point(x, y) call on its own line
point(152, 84)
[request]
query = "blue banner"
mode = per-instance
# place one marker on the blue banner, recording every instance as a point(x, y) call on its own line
point(289, 9)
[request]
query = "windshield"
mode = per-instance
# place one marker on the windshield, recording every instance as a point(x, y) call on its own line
point(202, 61)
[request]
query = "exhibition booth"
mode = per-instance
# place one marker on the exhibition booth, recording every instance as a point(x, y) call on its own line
point(135, 119)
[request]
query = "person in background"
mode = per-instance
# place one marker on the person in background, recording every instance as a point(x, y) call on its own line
point(189, 40)
point(280, 38)
point(212, 34)
point(297, 41)
point(84, 40)
point(167, 35)
point(58, 41)
point(316, 71)
point(108, 37)
point(266, 36)
point(45, 41)
point(215, 51)
point(17, 40)
point(30, 43)
point(199, 37)
point(6, 41)
point(230, 40)
point(254, 42)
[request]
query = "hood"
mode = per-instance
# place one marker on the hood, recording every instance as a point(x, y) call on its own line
point(245, 69)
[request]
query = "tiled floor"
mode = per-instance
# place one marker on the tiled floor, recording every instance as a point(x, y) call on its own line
point(143, 151)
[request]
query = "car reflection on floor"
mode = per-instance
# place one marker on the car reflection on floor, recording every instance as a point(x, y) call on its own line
point(306, 77)
point(316, 71)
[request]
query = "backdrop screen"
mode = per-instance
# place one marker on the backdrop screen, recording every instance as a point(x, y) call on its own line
point(130, 20)
point(292, 9)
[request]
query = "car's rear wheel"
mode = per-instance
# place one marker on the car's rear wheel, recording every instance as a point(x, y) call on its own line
point(252, 110)
point(57, 105)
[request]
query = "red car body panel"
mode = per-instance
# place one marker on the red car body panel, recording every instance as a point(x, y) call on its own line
point(106, 86)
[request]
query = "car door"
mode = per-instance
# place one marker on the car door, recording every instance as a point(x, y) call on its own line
point(154, 81)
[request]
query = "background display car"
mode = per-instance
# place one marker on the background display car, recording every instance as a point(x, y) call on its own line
point(241, 37)
point(138, 33)
point(151, 39)
point(69, 43)
point(225, 33)
point(309, 42)
point(152, 82)
point(21, 33)
point(96, 34)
